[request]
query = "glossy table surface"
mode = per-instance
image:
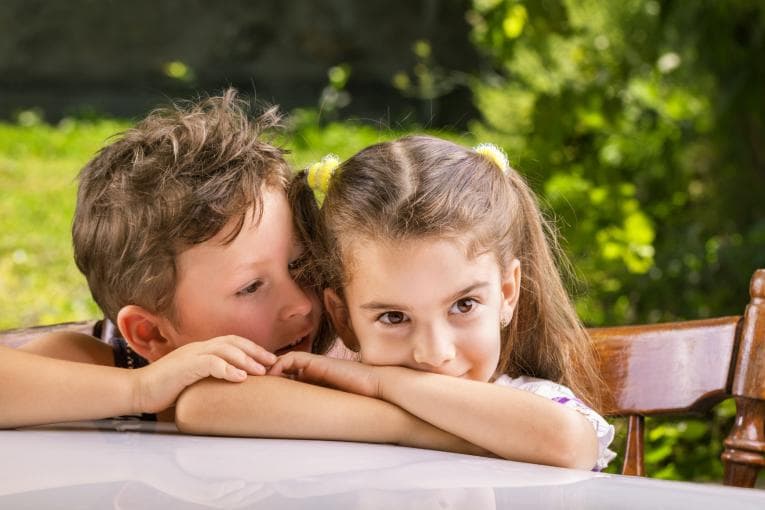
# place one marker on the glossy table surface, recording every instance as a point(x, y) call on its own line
point(131, 465)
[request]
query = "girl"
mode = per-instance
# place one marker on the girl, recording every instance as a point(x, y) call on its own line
point(440, 274)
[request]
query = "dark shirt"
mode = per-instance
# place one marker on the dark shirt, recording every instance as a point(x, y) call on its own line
point(125, 357)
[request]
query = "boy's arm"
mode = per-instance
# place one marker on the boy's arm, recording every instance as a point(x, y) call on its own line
point(277, 407)
point(72, 347)
point(37, 389)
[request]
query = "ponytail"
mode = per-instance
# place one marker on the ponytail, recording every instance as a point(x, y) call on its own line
point(546, 339)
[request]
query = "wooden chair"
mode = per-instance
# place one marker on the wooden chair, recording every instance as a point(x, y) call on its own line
point(688, 367)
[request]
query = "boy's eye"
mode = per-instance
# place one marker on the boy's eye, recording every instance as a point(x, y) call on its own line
point(463, 306)
point(392, 318)
point(297, 264)
point(251, 288)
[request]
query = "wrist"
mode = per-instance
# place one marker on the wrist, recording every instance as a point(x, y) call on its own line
point(390, 379)
point(134, 388)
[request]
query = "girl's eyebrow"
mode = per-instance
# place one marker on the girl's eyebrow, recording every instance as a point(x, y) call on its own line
point(467, 290)
point(378, 305)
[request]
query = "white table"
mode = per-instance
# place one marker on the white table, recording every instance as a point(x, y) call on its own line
point(126, 465)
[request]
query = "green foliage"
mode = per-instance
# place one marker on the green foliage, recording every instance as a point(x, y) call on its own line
point(640, 122)
point(39, 283)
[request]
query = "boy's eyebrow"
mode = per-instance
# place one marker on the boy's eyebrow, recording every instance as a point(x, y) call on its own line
point(378, 305)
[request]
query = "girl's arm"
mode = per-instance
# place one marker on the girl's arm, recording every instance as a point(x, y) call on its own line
point(513, 424)
point(36, 389)
point(278, 407)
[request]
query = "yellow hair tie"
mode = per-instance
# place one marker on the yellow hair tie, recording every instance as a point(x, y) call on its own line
point(319, 175)
point(493, 154)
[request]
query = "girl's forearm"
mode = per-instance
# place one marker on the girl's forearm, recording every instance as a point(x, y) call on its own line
point(277, 407)
point(36, 390)
point(513, 424)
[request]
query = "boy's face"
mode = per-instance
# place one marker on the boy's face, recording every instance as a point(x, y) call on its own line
point(246, 288)
point(426, 305)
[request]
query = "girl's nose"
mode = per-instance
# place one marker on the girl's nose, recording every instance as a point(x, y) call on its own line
point(434, 348)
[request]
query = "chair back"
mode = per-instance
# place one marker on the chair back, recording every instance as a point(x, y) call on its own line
point(687, 368)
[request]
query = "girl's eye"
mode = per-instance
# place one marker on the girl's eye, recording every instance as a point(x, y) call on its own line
point(392, 318)
point(463, 306)
point(251, 288)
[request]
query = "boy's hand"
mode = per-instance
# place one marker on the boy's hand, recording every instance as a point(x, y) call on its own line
point(157, 386)
point(350, 376)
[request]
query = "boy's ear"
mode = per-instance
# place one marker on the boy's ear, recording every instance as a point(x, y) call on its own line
point(511, 290)
point(341, 320)
point(140, 328)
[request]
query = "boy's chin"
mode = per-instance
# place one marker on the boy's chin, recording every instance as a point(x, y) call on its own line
point(303, 346)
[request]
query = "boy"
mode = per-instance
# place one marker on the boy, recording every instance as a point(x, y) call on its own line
point(183, 232)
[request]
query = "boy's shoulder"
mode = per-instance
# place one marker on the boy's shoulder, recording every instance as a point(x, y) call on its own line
point(71, 346)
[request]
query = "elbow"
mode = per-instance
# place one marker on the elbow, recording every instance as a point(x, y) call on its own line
point(577, 448)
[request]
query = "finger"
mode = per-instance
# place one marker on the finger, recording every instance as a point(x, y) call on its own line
point(284, 365)
point(239, 358)
point(220, 369)
point(252, 349)
point(277, 368)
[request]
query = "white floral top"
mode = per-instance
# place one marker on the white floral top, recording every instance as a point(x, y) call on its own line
point(563, 395)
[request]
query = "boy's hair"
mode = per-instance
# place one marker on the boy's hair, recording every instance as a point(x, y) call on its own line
point(171, 182)
point(420, 187)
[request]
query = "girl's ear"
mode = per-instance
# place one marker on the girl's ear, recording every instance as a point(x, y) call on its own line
point(140, 329)
point(341, 320)
point(511, 289)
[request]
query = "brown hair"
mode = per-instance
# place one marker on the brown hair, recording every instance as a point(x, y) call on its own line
point(172, 181)
point(420, 186)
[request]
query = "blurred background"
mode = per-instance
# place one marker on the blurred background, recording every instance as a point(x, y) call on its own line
point(640, 123)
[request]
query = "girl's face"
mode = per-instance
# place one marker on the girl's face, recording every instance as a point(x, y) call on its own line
point(426, 305)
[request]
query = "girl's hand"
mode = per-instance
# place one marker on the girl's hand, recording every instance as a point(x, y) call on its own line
point(157, 386)
point(350, 376)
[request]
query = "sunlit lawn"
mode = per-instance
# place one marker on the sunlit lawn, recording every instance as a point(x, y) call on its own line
point(39, 283)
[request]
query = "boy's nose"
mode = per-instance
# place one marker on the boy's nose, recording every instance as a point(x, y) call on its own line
point(297, 302)
point(434, 348)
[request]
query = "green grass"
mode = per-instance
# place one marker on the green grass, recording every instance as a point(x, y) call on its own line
point(39, 283)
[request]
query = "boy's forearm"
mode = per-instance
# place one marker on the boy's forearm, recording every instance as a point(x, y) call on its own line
point(36, 390)
point(277, 407)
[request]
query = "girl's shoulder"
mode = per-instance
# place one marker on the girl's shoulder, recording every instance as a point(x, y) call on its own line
point(541, 387)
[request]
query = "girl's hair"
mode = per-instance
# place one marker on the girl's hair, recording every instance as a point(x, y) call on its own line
point(419, 187)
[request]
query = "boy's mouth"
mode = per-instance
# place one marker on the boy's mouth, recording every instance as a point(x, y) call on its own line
point(301, 344)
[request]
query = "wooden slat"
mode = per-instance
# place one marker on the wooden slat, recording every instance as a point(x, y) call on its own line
point(669, 368)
